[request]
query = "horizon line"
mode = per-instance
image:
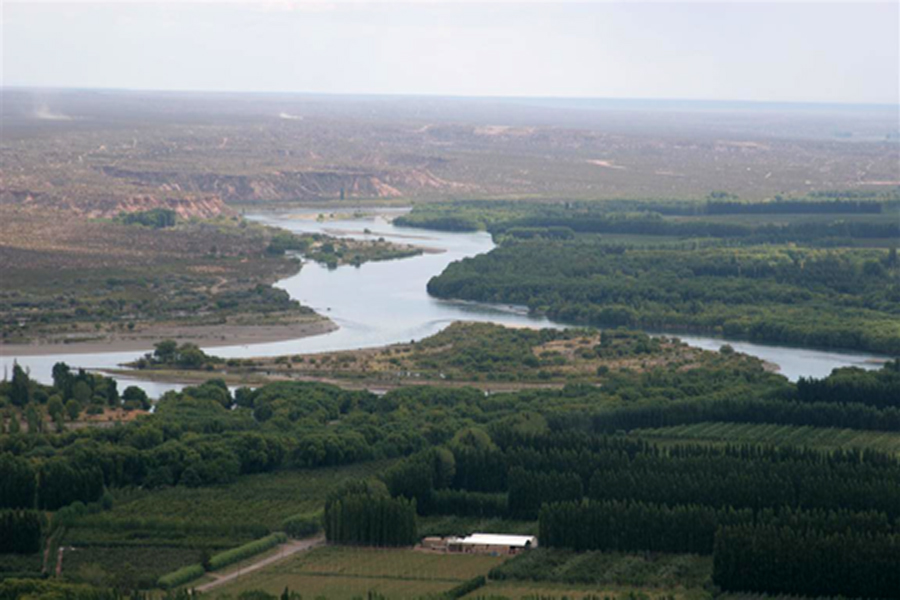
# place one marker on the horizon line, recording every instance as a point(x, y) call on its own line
point(411, 95)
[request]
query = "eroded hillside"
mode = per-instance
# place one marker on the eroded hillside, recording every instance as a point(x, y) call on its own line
point(103, 153)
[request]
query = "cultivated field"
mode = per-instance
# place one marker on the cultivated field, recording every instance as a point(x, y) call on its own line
point(149, 533)
point(265, 499)
point(345, 572)
point(823, 438)
point(497, 590)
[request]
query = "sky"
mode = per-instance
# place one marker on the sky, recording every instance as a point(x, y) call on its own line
point(843, 52)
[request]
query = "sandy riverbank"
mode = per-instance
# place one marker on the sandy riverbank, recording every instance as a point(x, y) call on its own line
point(206, 336)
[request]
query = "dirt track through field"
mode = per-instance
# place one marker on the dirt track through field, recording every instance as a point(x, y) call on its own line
point(284, 551)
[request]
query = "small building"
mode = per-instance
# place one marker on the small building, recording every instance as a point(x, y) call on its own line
point(434, 543)
point(491, 543)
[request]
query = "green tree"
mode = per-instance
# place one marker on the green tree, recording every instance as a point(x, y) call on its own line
point(20, 386)
point(14, 426)
point(165, 351)
point(55, 406)
point(73, 409)
point(134, 395)
point(62, 379)
point(474, 438)
point(57, 411)
point(81, 392)
point(191, 357)
point(112, 392)
point(17, 482)
point(33, 418)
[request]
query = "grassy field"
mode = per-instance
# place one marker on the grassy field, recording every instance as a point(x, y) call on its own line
point(126, 566)
point(20, 564)
point(559, 573)
point(343, 572)
point(337, 573)
point(495, 590)
point(656, 570)
point(810, 437)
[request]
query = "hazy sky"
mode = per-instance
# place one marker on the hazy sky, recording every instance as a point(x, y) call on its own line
point(809, 51)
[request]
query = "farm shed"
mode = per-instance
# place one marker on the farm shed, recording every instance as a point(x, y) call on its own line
point(490, 543)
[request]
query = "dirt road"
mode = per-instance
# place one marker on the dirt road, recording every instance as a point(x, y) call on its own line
point(284, 551)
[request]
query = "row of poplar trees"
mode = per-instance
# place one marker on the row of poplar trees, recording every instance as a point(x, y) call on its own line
point(52, 484)
point(364, 513)
point(783, 551)
point(20, 531)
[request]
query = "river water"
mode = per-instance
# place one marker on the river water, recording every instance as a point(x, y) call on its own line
point(383, 303)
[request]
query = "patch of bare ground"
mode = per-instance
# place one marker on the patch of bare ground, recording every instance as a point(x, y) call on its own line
point(107, 417)
point(230, 333)
point(606, 164)
point(35, 238)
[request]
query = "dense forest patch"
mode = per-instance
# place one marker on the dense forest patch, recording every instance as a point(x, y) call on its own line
point(210, 470)
point(841, 217)
point(808, 297)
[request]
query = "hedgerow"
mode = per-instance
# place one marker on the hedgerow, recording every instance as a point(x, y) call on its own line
point(181, 576)
point(223, 559)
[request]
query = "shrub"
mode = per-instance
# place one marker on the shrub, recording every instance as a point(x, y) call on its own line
point(301, 526)
point(223, 559)
point(181, 576)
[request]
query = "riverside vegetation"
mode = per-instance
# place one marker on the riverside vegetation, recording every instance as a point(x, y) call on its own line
point(819, 271)
point(480, 354)
point(568, 464)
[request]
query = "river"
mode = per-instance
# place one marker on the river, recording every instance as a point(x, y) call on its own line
point(382, 303)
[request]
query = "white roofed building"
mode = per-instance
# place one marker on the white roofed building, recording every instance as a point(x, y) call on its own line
point(491, 543)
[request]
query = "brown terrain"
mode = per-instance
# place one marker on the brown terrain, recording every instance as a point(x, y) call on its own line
point(69, 272)
point(66, 279)
point(197, 154)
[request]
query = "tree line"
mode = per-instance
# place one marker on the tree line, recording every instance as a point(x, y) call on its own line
point(541, 469)
point(71, 393)
point(20, 531)
point(850, 398)
point(879, 388)
point(649, 217)
point(364, 513)
point(656, 225)
point(633, 526)
point(748, 410)
point(793, 207)
point(54, 483)
point(826, 298)
point(784, 560)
